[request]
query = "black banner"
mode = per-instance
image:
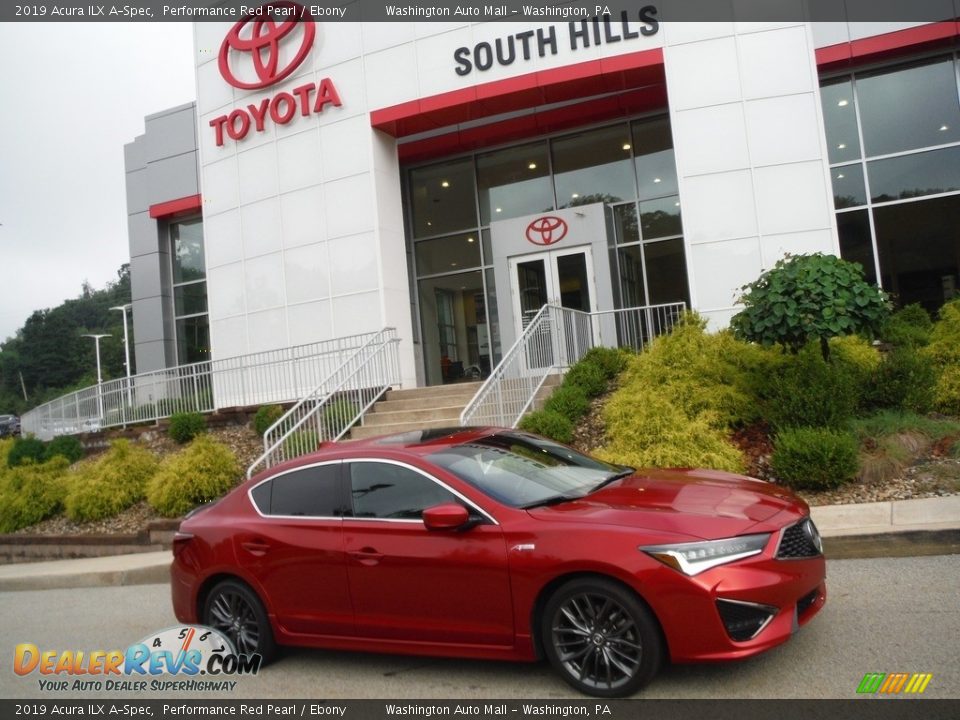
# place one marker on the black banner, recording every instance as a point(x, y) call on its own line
point(502, 10)
point(861, 709)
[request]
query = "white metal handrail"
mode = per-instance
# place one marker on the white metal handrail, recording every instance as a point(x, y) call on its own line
point(335, 404)
point(555, 339)
point(273, 376)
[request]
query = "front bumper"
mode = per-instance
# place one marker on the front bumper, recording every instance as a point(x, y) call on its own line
point(794, 590)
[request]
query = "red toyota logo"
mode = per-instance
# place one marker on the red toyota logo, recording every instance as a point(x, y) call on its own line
point(547, 230)
point(263, 43)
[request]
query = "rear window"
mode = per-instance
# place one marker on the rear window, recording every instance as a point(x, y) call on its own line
point(307, 492)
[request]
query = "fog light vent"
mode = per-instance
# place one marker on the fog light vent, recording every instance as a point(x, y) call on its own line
point(744, 620)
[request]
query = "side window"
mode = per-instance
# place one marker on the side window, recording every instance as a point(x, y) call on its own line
point(311, 492)
point(382, 490)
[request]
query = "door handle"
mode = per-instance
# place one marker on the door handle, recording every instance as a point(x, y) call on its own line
point(367, 556)
point(255, 547)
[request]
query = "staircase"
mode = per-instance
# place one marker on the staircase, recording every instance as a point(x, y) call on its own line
point(428, 407)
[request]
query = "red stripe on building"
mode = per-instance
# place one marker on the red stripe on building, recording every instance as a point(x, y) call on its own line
point(180, 206)
point(880, 47)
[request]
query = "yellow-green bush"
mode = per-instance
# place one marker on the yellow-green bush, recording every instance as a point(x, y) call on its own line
point(6, 445)
point(31, 492)
point(944, 348)
point(201, 472)
point(678, 400)
point(111, 484)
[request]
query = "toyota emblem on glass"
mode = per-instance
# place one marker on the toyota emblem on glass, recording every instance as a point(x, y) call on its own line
point(262, 43)
point(547, 230)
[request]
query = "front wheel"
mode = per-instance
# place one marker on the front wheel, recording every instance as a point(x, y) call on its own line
point(234, 610)
point(601, 638)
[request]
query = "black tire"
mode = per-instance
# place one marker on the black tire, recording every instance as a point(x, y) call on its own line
point(234, 609)
point(601, 638)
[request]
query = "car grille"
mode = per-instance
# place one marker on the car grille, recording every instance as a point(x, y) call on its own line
point(743, 620)
point(798, 541)
point(804, 603)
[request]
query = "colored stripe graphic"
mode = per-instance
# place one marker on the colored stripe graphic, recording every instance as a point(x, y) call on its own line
point(894, 683)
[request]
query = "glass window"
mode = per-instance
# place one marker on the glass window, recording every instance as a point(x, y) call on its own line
point(261, 497)
point(919, 248)
point(443, 198)
point(848, 189)
point(448, 254)
point(653, 156)
point(193, 339)
point(593, 167)
point(660, 218)
point(190, 299)
point(666, 272)
point(187, 241)
point(910, 176)
point(452, 311)
point(632, 283)
point(514, 182)
point(311, 492)
point(855, 243)
point(383, 490)
point(909, 108)
point(494, 325)
point(840, 119)
point(625, 224)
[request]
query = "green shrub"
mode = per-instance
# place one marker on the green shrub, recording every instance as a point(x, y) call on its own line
point(588, 377)
point(568, 400)
point(814, 458)
point(549, 424)
point(111, 484)
point(65, 446)
point(908, 327)
point(31, 492)
point(888, 422)
point(610, 361)
point(803, 390)
point(184, 427)
point(25, 449)
point(944, 348)
point(266, 416)
point(906, 380)
point(338, 416)
point(201, 472)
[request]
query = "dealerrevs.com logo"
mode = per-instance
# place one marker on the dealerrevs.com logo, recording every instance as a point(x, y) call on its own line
point(198, 658)
point(264, 48)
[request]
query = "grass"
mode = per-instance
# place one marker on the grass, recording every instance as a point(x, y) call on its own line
point(889, 423)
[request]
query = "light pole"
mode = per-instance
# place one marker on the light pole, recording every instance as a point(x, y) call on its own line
point(96, 341)
point(126, 346)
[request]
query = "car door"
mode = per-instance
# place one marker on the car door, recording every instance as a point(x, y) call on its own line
point(294, 548)
point(410, 583)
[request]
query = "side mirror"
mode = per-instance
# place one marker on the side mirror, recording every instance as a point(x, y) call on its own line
point(450, 516)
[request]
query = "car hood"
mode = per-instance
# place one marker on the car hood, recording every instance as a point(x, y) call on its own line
point(706, 504)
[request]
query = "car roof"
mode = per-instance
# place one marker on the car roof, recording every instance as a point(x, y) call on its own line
point(416, 442)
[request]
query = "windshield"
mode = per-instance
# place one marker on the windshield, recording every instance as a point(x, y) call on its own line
point(523, 470)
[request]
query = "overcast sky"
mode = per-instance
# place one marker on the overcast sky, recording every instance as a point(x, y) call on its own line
point(71, 96)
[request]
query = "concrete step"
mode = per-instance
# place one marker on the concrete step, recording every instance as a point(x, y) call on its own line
point(359, 433)
point(450, 413)
point(460, 399)
point(467, 389)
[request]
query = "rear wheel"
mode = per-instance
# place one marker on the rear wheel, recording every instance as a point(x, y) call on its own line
point(234, 610)
point(601, 638)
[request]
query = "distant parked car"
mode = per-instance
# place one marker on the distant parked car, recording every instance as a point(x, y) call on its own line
point(9, 425)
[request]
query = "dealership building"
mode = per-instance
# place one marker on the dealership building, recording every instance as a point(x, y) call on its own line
point(447, 179)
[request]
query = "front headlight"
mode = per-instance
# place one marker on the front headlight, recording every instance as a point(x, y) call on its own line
point(693, 558)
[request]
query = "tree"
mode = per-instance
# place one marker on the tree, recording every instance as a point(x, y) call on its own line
point(809, 297)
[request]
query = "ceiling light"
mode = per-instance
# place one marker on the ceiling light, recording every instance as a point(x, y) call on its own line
point(575, 195)
point(469, 239)
point(842, 103)
point(840, 176)
point(429, 224)
point(453, 264)
point(676, 204)
point(499, 210)
point(656, 180)
point(944, 127)
point(445, 183)
point(626, 146)
point(841, 146)
point(532, 166)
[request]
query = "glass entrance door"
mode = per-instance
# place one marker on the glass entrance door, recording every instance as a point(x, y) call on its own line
point(563, 277)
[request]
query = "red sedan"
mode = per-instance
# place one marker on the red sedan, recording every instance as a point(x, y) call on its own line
point(490, 543)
